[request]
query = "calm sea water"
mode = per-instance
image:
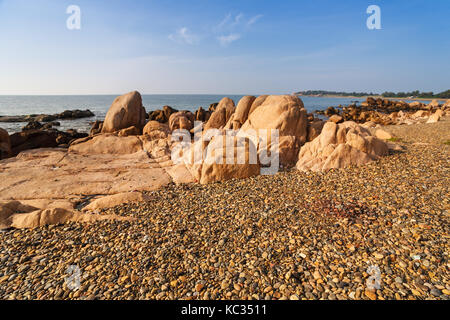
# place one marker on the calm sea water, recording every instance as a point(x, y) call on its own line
point(99, 104)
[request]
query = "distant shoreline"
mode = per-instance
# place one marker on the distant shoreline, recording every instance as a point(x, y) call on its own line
point(373, 96)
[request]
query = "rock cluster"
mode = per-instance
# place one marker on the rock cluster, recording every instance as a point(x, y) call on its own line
point(127, 153)
point(42, 138)
point(66, 115)
point(162, 115)
point(341, 145)
point(385, 112)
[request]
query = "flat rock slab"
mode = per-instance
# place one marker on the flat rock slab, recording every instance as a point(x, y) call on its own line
point(58, 174)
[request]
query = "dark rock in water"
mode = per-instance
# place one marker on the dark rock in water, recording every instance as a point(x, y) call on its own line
point(11, 119)
point(75, 114)
point(45, 118)
point(331, 111)
point(379, 111)
point(38, 138)
point(32, 139)
point(66, 115)
point(33, 125)
point(50, 125)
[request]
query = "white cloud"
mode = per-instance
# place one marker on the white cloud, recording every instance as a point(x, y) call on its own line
point(238, 19)
point(226, 40)
point(183, 35)
point(224, 22)
point(254, 19)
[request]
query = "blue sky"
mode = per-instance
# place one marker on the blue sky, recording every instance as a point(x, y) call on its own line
point(223, 47)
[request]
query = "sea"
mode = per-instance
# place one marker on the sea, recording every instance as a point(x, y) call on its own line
point(99, 105)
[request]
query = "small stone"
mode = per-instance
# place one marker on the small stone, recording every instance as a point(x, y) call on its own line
point(370, 294)
point(316, 275)
point(436, 292)
point(199, 287)
point(378, 256)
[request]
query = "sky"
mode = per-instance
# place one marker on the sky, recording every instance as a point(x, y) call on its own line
point(223, 46)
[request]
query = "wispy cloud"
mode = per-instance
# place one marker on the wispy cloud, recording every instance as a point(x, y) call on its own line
point(224, 22)
point(226, 40)
point(254, 19)
point(183, 35)
point(232, 27)
point(238, 19)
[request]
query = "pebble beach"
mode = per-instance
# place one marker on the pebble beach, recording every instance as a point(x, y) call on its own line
point(295, 235)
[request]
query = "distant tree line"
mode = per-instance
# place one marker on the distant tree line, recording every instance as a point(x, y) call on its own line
point(418, 94)
point(414, 94)
point(335, 93)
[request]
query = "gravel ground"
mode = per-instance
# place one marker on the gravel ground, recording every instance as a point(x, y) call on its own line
point(290, 236)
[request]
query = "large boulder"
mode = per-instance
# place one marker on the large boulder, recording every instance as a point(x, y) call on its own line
point(287, 149)
point(181, 120)
point(222, 114)
point(126, 111)
point(242, 110)
point(284, 113)
point(156, 130)
point(216, 167)
point(339, 146)
point(258, 102)
point(5, 144)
